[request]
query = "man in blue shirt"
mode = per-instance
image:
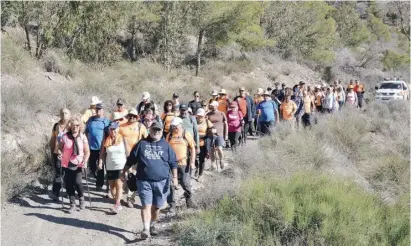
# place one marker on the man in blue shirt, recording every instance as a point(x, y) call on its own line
point(267, 114)
point(96, 130)
point(154, 158)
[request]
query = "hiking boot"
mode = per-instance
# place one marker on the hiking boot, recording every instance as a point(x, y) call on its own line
point(145, 234)
point(190, 203)
point(116, 209)
point(129, 202)
point(53, 197)
point(72, 208)
point(82, 203)
point(153, 231)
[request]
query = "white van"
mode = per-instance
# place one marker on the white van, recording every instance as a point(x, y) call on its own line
point(392, 90)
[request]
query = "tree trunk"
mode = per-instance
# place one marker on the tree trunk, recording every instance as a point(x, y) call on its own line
point(199, 50)
point(26, 30)
point(38, 42)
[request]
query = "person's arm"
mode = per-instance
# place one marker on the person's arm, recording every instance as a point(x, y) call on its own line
point(294, 109)
point(225, 130)
point(192, 147)
point(196, 137)
point(86, 151)
point(52, 142)
point(102, 156)
point(277, 115)
point(132, 159)
point(172, 162)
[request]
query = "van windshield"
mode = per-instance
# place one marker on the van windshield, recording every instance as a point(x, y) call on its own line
point(390, 86)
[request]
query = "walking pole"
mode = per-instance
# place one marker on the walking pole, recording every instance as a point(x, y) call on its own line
point(88, 188)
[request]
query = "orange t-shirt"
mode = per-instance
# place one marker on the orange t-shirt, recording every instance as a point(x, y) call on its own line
point(202, 130)
point(180, 145)
point(133, 133)
point(167, 118)
point(242, 103)
point(108, 142)
point(287, 109)
point(223, 104)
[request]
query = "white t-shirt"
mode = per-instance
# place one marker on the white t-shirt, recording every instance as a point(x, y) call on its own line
point(116, 157)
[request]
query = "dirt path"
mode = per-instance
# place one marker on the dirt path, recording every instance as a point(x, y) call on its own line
point(36, 220)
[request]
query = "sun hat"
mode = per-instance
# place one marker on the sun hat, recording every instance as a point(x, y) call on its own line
point(260, 91)
point(223, 92)
point(133, 111)
point(95, 100)
point(145, 95)
point(242, 88)
point(176, 121)
point(118, 116)
point(200, 112)
point(214, 93)
point(214, 103)
point(266, 93)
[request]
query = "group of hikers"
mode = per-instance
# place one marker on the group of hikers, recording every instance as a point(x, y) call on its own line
point(149, 153)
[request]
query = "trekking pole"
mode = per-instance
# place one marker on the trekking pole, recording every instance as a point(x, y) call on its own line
point(88, 188)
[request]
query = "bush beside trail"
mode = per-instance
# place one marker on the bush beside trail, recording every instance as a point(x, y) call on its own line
point(307, 209)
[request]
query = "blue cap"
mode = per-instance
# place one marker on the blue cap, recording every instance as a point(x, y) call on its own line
point(114, 125)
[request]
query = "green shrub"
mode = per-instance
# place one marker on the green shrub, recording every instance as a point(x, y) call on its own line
point(308, 209)
point(394, 60)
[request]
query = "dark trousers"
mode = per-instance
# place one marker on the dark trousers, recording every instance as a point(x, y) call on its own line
point(184, 179)
point(306, 119)
point(248, 127)
point(234, 138)
point(59, 172)
point(360, 100)
point(93, 163)
point(200, 161)
point(267, 127)
point(72, 181)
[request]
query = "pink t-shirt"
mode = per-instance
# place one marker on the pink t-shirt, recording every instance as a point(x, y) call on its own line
point(68, 147)
point(234, 120)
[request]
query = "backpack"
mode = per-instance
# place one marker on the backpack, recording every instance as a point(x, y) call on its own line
point(170, 135)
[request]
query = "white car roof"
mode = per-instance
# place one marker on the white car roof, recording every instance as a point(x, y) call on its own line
point(393, 81)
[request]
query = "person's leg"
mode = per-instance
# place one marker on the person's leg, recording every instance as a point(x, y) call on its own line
point(201, 161)
point(146, 196)
point(94, 155)
point(246, 128)
point(112, 185)
point(118, 186)
point(79, 187)
point(237, 136)
point(159, 188)
point(252, 128)
point(69, 181)
point(58, 176)
point(100, 177)
point(231, 138)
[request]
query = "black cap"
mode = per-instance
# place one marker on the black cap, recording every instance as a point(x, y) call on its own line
point(276, 83)
point(120, 101)
point(99, 106)
point(302, 83)
point(183, 107)
point(269, 89)
point(156, 125)
point(175, 95)
point(283, 84)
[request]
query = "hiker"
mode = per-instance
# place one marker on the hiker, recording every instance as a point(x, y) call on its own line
point(205, 134)
point(148, 119)
point(151, 107)
point(190, 125)
point(351, 99)
point(176, 101)
point(247, 108)
point(319, 97)
point(235, 120)
point(329, 102)
point(257, 99)
point(276, 91)
point(132, 132)
point(287, 110)
point(121, 109)
point(146, 99)
point(281, 94)
point(168, 115)
point(268, 114)
point(270, 90)
point(214, 96)
point(219, 121)
point(195, 104)
point(340, 97)
point(154, 158)
point(359, 89)
point(75, 153)
point(96, 130)
point(59, 129)
point(223, 102)
point(297, 99)
point(113, 152)
point(182, 142)
point(90, 111)
point(308, 108)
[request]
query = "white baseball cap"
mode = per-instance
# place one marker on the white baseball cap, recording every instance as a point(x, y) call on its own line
point(146, 95)
point(200, 112)
point(176, 121)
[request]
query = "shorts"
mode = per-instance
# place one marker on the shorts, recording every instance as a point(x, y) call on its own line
point(153, 192)
point(219, 141)
point(113, 174)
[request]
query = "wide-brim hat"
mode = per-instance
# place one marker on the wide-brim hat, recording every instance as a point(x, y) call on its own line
point(95, 100)
point(133, 112)
point(266, 93)
point(223, 92)
point(118, 116)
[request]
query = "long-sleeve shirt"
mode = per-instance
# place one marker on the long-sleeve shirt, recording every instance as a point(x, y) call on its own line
point(154, 159)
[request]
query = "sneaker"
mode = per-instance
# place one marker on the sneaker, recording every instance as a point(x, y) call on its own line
point(153, 231)
point(145, 234)
point(200, 179)
point(82, 203)
point(116, 209)
point(72, 208)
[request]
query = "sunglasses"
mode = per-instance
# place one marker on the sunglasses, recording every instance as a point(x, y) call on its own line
point(76, 125)
point(169, 105)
